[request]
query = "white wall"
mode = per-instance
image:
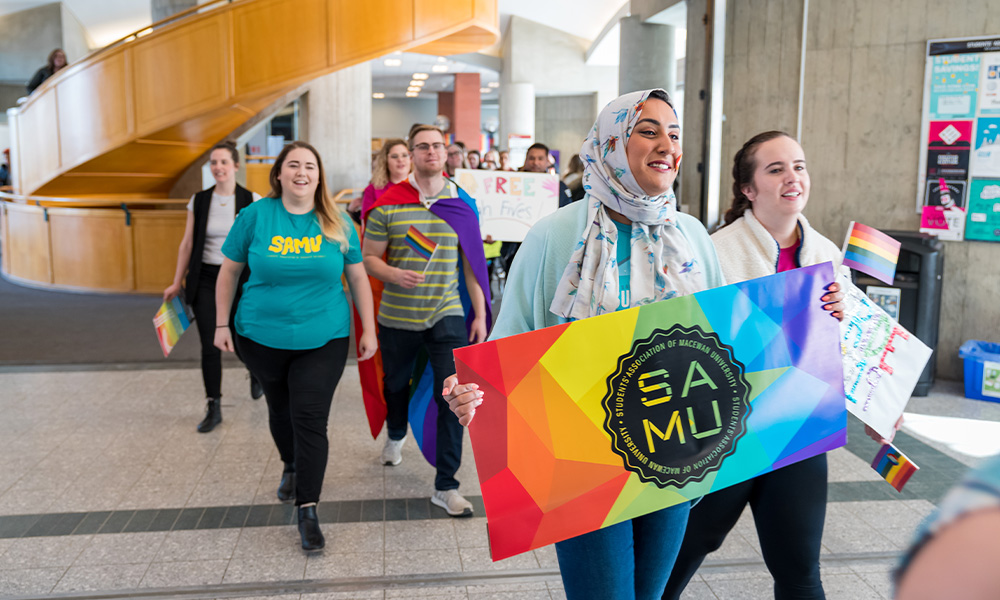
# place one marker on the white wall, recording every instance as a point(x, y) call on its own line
point(393, 117)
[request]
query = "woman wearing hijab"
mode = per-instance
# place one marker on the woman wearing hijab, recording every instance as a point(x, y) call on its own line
point(623, 246)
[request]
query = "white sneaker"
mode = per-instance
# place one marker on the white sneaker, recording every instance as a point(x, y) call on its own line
point(392, 452)
point(452, 502)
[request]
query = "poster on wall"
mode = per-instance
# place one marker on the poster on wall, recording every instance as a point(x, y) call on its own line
point(986, 158)
point(961, 135)
point(983, 220)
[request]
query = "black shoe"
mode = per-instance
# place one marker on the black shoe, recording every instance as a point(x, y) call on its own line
point(312, 537)
point(213, 416)
point(256, 391)
point(286, 489)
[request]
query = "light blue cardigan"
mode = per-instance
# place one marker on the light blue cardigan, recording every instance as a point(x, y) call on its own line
point(542, 258)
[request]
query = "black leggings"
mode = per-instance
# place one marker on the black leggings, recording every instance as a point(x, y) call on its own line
point(789, 507)
point(299, 386)
point(204, 320)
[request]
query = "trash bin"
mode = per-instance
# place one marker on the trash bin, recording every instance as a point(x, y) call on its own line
point(918, 287)
point(982, 370)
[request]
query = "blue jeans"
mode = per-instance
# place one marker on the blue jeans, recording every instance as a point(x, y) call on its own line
point(399, 353)
point(628, 561)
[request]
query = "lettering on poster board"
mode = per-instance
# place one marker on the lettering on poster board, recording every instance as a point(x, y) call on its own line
point(676, 405)
point(867, 348)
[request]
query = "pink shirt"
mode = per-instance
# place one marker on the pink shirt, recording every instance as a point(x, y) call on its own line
point(787, 257)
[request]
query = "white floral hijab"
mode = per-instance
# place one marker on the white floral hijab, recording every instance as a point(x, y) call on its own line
point(662, 263)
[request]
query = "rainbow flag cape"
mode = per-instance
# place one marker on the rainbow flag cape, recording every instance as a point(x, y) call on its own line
point(894, 466)
point(597, 421)
point(461, 215)
point(870, 251)
point(170, 322)
point(420, 243)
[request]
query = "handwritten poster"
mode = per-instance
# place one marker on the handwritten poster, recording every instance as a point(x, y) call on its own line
point(882, 361)
point(509, 202)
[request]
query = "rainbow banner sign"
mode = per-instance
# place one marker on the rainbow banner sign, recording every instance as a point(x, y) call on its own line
point(894, 466)
point(597, 421)
point(171, 321)
point(870, 251)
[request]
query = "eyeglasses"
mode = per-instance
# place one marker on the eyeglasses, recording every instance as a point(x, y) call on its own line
point(425, 147)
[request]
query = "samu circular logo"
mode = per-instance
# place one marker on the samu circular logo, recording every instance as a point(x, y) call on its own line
point(676, 405)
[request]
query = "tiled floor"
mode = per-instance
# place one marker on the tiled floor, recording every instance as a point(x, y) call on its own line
point(106, 490)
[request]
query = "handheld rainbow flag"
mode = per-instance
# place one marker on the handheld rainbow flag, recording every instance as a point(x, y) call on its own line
point(420, 243)
point(870, 251)
point(171, 321)
point(894, 466)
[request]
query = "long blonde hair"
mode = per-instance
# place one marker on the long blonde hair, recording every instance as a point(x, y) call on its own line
point(380, 172)
point(331, 219)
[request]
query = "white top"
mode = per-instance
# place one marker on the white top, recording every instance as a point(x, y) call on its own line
point(747, 251)
point(221, 215)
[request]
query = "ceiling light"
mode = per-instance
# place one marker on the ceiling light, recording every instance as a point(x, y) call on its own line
point(493, 84)
point(417, 83)
point(440, 68)
point(392, 62)
point(378, 95)
point(420, 76)
point(442, 59)
point(412, 94)
point(485, 90)
point(413, 88)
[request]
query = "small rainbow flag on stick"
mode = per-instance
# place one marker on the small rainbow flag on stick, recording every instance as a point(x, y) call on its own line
point(421, 244)
point(870, 251)
point(171, 321)
point(894, 466)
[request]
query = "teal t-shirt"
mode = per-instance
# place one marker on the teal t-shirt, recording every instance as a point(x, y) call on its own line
point(624, 251)
point(294, 299)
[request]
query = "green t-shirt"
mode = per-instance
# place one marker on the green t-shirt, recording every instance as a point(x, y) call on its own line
point(624, 251)
point(294, 299)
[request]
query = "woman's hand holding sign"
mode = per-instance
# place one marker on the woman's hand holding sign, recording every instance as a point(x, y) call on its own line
point(462, 398)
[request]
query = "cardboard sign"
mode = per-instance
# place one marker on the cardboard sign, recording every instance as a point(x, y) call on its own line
point(882, 361)
point(510, 202)
point(598, 421)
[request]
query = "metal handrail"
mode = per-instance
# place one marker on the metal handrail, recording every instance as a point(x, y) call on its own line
point(339, 196)
point(53, 202)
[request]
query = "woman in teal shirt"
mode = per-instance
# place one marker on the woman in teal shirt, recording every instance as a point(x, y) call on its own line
point(293, 321)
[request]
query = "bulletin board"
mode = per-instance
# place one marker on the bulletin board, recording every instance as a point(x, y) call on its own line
point(960, 133)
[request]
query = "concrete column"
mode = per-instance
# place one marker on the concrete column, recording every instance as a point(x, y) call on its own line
point(647, 58)
point(161, 9)
point(517, 110)
point(337, 121)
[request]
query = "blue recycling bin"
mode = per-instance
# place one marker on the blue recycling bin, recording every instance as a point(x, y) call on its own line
point(982, 370)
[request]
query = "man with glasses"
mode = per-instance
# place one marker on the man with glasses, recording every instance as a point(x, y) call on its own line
point(422, 241)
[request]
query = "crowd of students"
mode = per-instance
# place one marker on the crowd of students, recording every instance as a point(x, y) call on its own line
point(264, 277)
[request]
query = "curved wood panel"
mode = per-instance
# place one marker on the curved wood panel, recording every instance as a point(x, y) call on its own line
point(181, 72)
point(132, 119)
point(92, 249)
point(27, 241)
point(275, 45)
point(96, 101)
point(197, 79)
